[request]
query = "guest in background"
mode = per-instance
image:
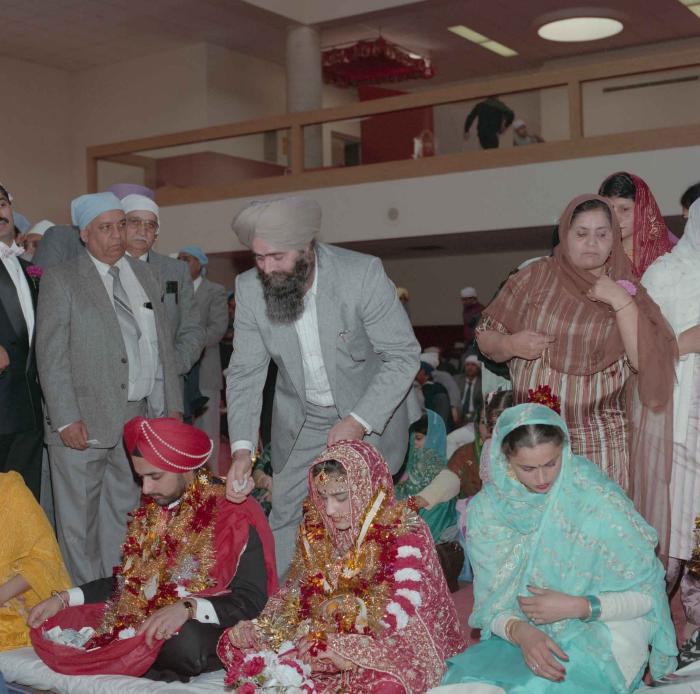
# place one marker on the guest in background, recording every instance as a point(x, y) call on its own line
point(495, 404)
point(521, 136)
point(62, 242)
point(31, 568)
point(173, 277)
point(212, 307)
point(493, 119)
point(447, 380)
point(645, 236)
point(471, 313)
point(689, 197)
point(105, 354)
point(426, 460)
point(31, 240)
point(471, 397)
point(21, 419)
point(579, 323)
point(435, 396)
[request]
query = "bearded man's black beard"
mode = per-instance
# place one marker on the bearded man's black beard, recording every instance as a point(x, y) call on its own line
point(284, 291)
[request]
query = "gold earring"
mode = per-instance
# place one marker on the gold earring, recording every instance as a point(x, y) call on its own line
point(511, 472)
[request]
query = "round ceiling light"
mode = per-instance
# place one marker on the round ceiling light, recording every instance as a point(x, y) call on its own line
point(580, 29)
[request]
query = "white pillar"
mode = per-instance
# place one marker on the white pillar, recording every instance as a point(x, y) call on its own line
point(305, 85)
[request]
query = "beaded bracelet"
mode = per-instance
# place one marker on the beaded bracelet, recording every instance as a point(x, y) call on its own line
point(595, 608)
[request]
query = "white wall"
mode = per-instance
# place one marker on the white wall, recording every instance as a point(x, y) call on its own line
point(505, 198)
point(433, 283)
point(35, 139)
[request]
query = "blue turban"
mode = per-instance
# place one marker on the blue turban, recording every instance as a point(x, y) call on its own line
point(196, 252)
point(85, 208)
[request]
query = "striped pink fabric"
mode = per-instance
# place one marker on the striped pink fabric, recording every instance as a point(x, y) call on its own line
point(593, 403)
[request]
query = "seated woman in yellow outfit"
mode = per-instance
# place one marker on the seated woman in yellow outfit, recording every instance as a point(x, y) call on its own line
point(31, 567)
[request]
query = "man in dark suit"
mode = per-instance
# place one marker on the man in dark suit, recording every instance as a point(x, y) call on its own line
point(21, 432)
point(470, 386)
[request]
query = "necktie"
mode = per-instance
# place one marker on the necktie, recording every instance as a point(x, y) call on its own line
point(130, 328)
point(466, 405)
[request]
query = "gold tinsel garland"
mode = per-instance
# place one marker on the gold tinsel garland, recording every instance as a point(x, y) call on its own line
point(338, 594)
point(163, 550)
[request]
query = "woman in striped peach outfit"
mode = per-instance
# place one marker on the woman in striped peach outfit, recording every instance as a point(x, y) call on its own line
point(580, 323)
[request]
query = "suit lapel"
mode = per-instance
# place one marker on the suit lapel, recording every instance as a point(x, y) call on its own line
point(327, 315)
point(32, 284)
point(95, 287)
point(288, 345)
point(10, 302)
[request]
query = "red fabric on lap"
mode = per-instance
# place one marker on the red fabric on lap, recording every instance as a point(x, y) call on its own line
point(129, 657)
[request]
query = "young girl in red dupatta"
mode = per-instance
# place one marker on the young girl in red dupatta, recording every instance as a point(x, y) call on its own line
point(365, 603)
point(645, 236)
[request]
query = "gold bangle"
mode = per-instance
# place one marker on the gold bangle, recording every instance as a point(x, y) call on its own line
point(57, 594)
point(508, 631)
point(617, 310)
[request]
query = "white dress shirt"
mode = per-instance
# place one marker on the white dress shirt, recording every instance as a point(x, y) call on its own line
point(14, 269)
point(316, 383)
point(141, 381)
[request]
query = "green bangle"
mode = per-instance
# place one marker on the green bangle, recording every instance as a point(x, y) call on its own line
point(594, 603)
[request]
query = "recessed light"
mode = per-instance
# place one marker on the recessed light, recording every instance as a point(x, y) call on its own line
point(580, 29)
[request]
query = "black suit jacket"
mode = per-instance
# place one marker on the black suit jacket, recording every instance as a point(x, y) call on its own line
point(248, 589)
point(20, 396)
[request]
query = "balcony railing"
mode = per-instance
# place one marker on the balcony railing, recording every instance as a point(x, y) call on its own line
point(267, 155)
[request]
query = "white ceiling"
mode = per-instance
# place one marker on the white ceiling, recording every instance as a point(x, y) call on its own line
point(317, 11)
point(79, 34)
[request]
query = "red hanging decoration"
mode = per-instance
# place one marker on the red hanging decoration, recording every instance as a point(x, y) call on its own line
point(372, 61)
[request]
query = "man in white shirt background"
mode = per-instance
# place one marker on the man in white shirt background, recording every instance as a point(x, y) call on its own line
point(21, 434)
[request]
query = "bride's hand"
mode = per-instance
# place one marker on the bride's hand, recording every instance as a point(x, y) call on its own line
point(243, 635)
point(547, 606)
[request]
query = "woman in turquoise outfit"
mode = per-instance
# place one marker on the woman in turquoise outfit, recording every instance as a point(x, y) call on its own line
point(568, 592)
point(427, 457)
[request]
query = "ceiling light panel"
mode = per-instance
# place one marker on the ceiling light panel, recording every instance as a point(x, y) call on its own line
point(481, 40)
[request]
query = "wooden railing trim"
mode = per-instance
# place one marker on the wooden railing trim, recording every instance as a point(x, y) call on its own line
point(507, 84)
point(621, 143)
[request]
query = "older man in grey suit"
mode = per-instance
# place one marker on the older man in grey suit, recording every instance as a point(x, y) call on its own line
point(176, 289)
point(210, 299)
point(332, 322)
point(105, 355)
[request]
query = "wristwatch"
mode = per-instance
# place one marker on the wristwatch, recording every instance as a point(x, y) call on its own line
point(191, 608)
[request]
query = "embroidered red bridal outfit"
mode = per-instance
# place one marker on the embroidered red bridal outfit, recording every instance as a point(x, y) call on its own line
point(373, 595)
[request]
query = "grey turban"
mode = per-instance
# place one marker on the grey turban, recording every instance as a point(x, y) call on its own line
point(285, 224)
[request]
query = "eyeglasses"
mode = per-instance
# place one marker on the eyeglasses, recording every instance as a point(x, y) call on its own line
point(145, 224)
point(106, 227)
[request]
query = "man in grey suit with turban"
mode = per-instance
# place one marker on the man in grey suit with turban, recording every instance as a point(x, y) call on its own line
point(105, 354)
point(346, 354)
